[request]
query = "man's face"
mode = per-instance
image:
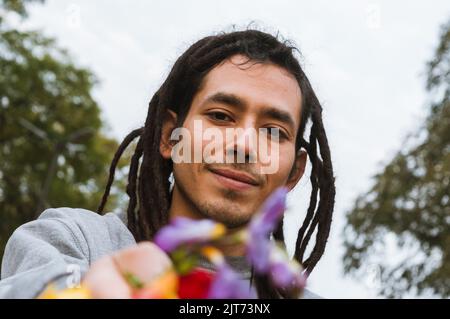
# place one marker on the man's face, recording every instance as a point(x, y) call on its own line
point(249, 96)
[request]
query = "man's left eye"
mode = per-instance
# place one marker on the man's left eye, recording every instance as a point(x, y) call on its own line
point(220, 116)
point(276, 131)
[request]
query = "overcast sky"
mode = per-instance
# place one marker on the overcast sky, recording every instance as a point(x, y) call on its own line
point(365, 59)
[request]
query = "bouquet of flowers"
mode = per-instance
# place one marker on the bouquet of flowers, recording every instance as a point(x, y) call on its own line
point(186, 241)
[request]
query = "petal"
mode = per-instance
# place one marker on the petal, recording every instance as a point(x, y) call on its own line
point(284, 272)
point(258, 252)
point(196, 284)
point(187, 231)
point(272, 210)
point(228, 284)
point(261, 226)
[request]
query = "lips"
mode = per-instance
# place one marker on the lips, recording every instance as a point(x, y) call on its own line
point(235, 179)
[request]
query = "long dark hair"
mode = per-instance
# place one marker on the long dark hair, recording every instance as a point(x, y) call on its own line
point(148, 179)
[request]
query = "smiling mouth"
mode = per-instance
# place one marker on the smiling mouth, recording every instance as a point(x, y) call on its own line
point(234, 179)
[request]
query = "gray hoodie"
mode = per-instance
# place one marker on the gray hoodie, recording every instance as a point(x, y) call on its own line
point(60, 246)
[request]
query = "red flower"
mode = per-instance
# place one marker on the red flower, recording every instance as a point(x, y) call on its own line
point(196, 284)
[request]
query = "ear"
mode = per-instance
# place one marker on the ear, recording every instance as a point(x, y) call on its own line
point(169, 124)
point(297, 169)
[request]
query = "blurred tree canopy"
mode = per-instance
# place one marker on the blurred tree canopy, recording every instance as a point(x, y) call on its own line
point(17, 6)
point(402, 225)
point(52, 148)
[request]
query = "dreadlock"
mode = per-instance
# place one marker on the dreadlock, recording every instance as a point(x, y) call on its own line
point(146, 217)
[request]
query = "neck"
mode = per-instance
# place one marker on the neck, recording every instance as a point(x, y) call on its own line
point(182, 207)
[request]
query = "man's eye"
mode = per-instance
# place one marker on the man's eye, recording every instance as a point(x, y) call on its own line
point(220, 116)
point(274, 132)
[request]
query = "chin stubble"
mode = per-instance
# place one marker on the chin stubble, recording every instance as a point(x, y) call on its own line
point(225, 211)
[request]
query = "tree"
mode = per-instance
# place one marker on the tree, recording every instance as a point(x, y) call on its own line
point(53, 151)
point(402, 224)
point(17, 6)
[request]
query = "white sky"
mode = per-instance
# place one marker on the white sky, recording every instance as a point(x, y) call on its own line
point(365, 59)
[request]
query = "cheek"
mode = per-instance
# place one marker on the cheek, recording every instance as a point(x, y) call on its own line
point(179, 173)
point(187, 171)
point(188, 175)
point(285, 163)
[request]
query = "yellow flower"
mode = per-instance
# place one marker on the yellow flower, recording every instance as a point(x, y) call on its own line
point(51, 292)
point(164, 286)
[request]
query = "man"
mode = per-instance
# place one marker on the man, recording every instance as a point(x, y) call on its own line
point(246, 80)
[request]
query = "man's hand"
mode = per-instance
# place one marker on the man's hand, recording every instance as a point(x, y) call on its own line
point(106, 278)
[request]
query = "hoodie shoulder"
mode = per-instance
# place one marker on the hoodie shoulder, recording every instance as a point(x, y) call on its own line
point(103, 234)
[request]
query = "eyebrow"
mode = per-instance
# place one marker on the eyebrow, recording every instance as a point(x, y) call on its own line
point(237, 102)
point(226, 98)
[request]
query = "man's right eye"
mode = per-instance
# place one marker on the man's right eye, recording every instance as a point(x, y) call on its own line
point(219, 116)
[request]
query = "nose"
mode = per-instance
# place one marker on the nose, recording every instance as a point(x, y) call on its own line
point(241, 145)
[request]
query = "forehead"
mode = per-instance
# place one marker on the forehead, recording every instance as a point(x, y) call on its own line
point(257, 83)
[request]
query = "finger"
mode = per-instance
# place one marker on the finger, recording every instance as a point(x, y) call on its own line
point(105, 281)
point(145, 260)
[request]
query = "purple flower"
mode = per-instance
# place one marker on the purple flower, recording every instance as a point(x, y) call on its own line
point(260, 228)
point(187, 231)
point(227, 284)
point(285, 273)
point(265, 221)
point(258, 250)
point(264, 254)
point(272, 260)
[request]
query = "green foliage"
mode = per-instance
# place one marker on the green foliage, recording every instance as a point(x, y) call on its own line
point(52, 149)
point(17, 6)
point(403, 223)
